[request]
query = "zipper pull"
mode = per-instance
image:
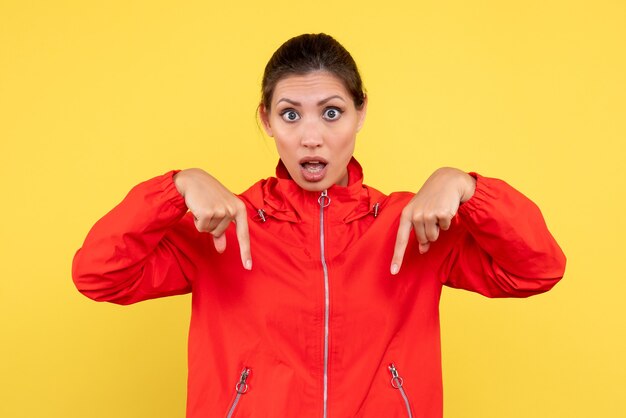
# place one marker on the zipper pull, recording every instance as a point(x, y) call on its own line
point(324, 200)
point(396, 380)
point(242, 386)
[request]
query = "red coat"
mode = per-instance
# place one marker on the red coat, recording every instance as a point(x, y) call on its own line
point(313, 329)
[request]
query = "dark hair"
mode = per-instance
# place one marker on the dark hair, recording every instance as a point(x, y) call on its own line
point(307, 53)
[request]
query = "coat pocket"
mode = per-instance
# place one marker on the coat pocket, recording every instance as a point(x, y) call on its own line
point(241, 388)
point(398, 383)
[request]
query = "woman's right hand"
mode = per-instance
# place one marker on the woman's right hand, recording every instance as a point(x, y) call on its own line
point(214, 207)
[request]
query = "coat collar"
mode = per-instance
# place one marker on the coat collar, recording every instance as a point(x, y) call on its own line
point(283, 199)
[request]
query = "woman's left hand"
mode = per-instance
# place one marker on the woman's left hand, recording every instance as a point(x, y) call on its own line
point(431, 210)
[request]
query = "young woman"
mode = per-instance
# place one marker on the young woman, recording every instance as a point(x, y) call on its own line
point(328, 305)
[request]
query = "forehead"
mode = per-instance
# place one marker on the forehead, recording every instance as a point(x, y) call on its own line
point(312, 87)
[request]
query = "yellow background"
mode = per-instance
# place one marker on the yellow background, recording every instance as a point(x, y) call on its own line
point(97, 96)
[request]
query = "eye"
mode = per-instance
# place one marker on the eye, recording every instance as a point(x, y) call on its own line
point(332, 113)
point(289, 115)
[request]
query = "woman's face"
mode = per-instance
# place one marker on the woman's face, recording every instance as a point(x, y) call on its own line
point(314, 123)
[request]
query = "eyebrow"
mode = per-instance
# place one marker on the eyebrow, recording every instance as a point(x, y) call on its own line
point(320, 103)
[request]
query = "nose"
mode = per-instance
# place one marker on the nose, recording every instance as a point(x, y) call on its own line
point(311, 135)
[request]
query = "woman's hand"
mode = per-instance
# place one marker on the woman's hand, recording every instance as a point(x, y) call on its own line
point(431, 210)
point(214, 207)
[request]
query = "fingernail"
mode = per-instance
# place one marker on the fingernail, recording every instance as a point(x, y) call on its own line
point(394, 268)
point(248, 265)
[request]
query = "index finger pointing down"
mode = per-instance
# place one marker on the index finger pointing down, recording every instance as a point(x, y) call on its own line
point(243, 237)
point(402, 240)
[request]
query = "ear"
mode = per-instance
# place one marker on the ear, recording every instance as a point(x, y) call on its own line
point(361, 114)
point(265, 120)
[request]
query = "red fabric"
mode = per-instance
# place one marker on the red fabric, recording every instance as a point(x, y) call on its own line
point(271, 319)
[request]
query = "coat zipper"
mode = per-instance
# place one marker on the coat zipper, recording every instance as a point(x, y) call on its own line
point(241, 387)
point(324, 201)
point(397, 383)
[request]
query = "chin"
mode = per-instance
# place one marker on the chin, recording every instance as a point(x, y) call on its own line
point(319, 186)
point(314, 186)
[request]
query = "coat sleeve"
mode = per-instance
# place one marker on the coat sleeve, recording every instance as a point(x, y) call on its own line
point(139, 250)
point(504, 248)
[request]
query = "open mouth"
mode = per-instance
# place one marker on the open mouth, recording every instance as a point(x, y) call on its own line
point(313, 169)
